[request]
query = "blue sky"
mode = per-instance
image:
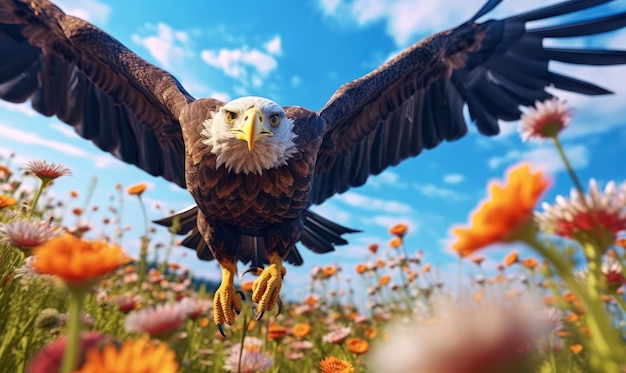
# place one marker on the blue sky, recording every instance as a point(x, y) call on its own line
point(299, 53)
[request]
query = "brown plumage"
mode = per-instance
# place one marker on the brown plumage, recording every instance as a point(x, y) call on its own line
point(253, 204)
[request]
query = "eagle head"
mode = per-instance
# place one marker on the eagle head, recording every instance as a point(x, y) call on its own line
point(250, 135)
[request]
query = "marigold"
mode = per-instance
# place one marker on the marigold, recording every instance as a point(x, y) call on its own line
point(395, 242)
point(361, 268)
point(276, 332)
point(530, 263)
point(384, 280)
point(508, 209)
point(77, 261)
point(371, 332)
point(138, 356)
point(6, 201)
point(399, 230)
point(301, 330)
point(357, 346)
point(330, 270)
point(137, 189)
point(511, 259)
point(331, 364)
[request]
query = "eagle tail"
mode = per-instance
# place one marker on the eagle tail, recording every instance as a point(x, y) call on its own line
point(319, 235)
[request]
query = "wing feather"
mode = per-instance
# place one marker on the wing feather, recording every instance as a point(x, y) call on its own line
point(69, 68)
point(416, 100)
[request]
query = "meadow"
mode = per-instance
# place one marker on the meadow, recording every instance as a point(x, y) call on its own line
point(72, 300)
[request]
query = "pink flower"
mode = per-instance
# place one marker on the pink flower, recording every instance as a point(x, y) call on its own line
point(337, 334)
point(49, 358)
point(159, 321)
point(28, 234)
point(251, 357)
point(47, 172)
point(546, 120)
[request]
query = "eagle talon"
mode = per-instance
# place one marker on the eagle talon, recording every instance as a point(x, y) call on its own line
point(219, 327)
point(254, 270)
point(241, 294)
point(257, 316)
point(226, 304)
point(266, 288)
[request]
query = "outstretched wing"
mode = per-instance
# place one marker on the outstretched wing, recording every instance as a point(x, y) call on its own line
point(69, 68)
point(416, 100)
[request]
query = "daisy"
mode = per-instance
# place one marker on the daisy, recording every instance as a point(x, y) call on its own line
point(159, 321)
point(337, 334)
point(28, 234)
point(248, 358)
point(545, 120)
point(586, 214)
point(47, 172)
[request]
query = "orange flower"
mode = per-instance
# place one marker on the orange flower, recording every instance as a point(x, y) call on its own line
point(77, 261)
point(361, 268)
point(137, 189)
point(6, 201)
point(301, 330)
point(357, 346)
point(373, 248)
point(576, 348)
point(371, 332)
point(276, 332)
point(395, 242)
point(530, 263)
point(399, 230)
point(426, 268)
point(329, 271)
point(509, 208)
point(331, 364)
point(73, 194)
point(246, 286)
point(478, 260)
point(511, 259)
point(139, 356)
point(384, 280)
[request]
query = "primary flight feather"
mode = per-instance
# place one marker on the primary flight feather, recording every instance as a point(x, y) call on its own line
point(253, 167)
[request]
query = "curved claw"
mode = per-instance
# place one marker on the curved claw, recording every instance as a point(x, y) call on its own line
point(219, 327)
point(253, 269)
point(279, 304)
point(256, 316)
point(241, 294)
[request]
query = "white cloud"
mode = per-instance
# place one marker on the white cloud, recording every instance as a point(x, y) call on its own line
point(388, 221)
point(334, 213)
point(386, 179)
point(545, 158)
point(274, 46)
point(432, 190)
point(248, 65)
point(371, 203)
point(65, 130)
point(453, 178)
point(33, 139)
point(90, 10)
point(23, 108)
point(167, 46)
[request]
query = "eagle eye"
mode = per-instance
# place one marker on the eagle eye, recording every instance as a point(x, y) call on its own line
point(275, 120)
point(230, 116)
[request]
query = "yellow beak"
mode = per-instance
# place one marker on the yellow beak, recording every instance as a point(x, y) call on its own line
point(252, 129)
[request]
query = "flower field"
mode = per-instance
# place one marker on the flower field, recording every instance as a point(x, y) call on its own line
point(72, 300)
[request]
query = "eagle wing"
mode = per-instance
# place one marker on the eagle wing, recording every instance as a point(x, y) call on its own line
point(69, 68)
point(416, 100)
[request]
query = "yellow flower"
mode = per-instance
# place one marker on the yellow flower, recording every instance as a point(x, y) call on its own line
point(6, 201)
point(137, 189)
point(357, 346)
point(139, 356)
point(331, 364)
point(508, 209)
point(77, 261)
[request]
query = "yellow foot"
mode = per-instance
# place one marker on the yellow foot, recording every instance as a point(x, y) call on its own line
point(226, 302)
point(266, 288)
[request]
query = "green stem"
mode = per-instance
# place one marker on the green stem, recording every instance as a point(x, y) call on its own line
point(72, 350)
point(603, 336)
point(568, 166)
point(36, 199)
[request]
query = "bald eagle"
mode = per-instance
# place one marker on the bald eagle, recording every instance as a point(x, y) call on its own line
point(253, 167)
